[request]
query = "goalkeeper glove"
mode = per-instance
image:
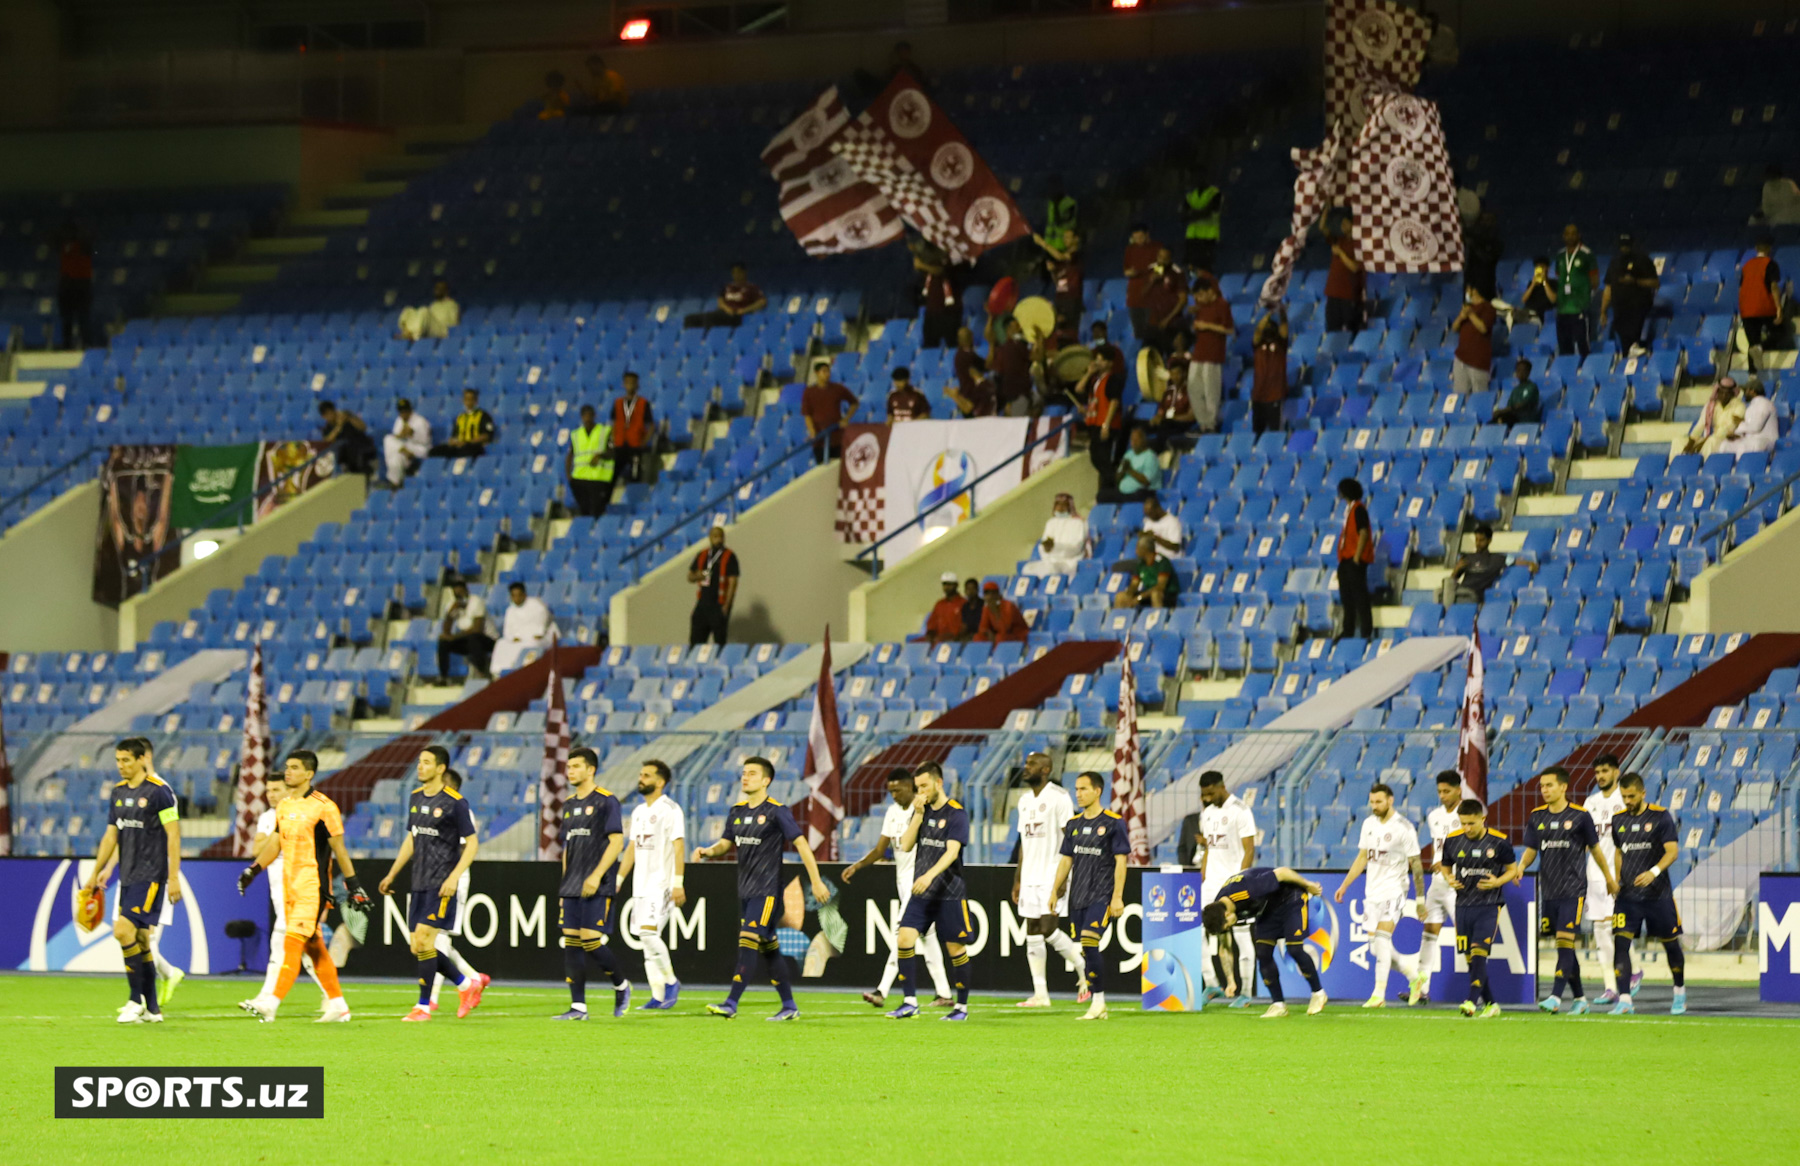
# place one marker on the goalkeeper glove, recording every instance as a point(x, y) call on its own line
point(248, 877)
point(359, 898)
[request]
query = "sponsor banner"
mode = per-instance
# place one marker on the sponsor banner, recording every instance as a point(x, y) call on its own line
point(209, 478)
point(136, 495)
point(37, 918)
point(276, 462)
point(1778, 937)
point(186, 1091)
point(1338, 942)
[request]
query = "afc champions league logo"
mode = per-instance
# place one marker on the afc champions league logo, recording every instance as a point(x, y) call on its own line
point(1158, 898)
point(909, 114)
point(1374, 35)
point(1185, 897)
point(946, 485)
point(861, 457)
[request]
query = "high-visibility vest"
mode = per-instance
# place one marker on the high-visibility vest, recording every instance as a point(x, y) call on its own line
point(1754, 300)
point(1204, 203)
point(585, 443)
point(1059, 219)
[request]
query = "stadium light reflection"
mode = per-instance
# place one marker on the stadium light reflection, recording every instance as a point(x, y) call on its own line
point(636, 29)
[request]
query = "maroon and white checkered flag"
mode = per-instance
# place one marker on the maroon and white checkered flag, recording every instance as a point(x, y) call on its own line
point(253, 759)
point(823, 201)
point(1367, 40)
point(824, 772)
point(907, 147)
point(1402, 198)
point(1128, 769)
point(1318, 183)
point(5, 775)
point(1472, 748)
point(553, 778)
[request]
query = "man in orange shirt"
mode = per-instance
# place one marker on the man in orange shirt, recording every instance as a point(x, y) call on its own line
point(309, 833)
point(633, 430)
point(1759, 297)
point(945, 623)
point(1001, 620)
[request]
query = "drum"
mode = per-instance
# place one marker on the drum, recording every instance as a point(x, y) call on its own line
point(1152, 376)
point(1036, 316)
point(1071, 364)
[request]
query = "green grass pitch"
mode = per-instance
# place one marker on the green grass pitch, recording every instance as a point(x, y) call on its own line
point(845, 1085)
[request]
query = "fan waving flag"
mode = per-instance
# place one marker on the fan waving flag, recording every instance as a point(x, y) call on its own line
point(824, 772)
point(553, 778)
point(1128, 769)
point(823, 202)
point(1369, 40)
point(5, 779)
point(909, 149)
point(253, 760)
point(1472, 749)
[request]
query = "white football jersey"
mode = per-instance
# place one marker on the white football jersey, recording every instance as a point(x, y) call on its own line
point(266, 825)
point(1442, 823)
point(1225, 827)
point(893, 826)
point(1391, 844)
point(1042, 817)
point(1601, 808)
point(655, 828)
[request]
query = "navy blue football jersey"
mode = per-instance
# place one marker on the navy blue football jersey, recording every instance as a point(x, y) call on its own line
point(139, 814)
point(1092, 844)
point(760, 832)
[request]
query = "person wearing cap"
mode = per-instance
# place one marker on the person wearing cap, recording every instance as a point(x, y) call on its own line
point(1759, 297)
point(1474, 360)
point(1756, 433)
point(944, 625)
point(1141, 253)
point(1213, 327)
point(1572, 277)
point(463, 630)
point(716, 570)
point(1064, 541)
point(1149, 578)
point(1001, 620)
point(406, 444)
point(1630, 293)
point(825, 405)
point(1723, 413)
point(904, 402)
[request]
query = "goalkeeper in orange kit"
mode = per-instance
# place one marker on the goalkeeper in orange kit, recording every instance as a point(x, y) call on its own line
point(309, 834)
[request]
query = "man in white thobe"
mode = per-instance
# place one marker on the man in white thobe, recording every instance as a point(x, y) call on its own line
point(527, 625)
point(407, 443)
point(1064, 542)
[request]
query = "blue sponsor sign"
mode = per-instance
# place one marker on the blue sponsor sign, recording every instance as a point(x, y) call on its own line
point(1778, 937)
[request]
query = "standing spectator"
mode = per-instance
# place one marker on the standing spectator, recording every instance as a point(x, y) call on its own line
point(716, 570)
point(463, 630)
point(1100, 418)
point(1060, 215)
point(1629, 294)
point(1474, 361)
point(1064, 542)
point(75, 289)
point(1482, 248)
point(1718, 421)
point(470, 433)
point(1780, 204)
point(406, 444)
point(589, 464)
point(1474, 573)
point(969, 366)
point(1174, 415)
point(905, 403)
point(1141, 255)
point(1138, 470)
point(1012, 370)
point(1099, 339)
point(1165, 298)
point(940, 294)
point(356, 449)
point(1573, 276)
point(972, 605)
point(1759, 428)
point(1344, 280)
point(1539, 299)
point(945, 623)
point(738, 299)
point(825, 404)
point(1001, 620)
point(633, 431)
point(1213, 326)
point(1162, 527)
point(433, 321)
point(1065, 273)
point(556, 97)
point(1523, 405)
point(528, 625)
point(1355, 551)
point(1201, 208)
point(1187, 845)
point(1759, 297)
point(981, 400)
point(606, 92)
point(1268, 384)
point(1149, 579)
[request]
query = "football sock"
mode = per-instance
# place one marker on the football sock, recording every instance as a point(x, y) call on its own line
point(1064, 945)
point(1304, 961)
point(147, 977)
point(959, 977)
point(888, 973)
point(1243, 951)
point(1406, 965)
point(1037, 958)
point(1568, 968)
point(1430, 951)
point(1094, 967)
point(444, 945)
point(134, 959)
point(1265, 960)
point(1622, 965)
point(903, 961)
point(575, 972)
point(164, 968)
point(1478, 985)
point(446, 967)
point(1381, 948)
point(1677, 962)
point(1212, 972)
point(427, 969)
point(293, 948)
point(602, 957)
point(780, 973)
point(746, 967)
point(277, 943)
point(323, 969)
point(657, 967)
point(934, 963)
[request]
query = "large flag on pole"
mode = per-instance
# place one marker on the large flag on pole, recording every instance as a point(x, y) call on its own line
point(1368, 40)
point(1472, 749)
point(5, 777)
point(553, 778)
point(823, 201)
point(253, 759)
point(1128, 769)
point(824, 770)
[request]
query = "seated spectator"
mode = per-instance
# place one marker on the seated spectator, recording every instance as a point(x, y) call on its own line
point(981, 399)
point(824, 406)
point(356, 449)
point(1475, 572)
point(556, 97)
point(1780, 206)
point(1149, 578)
point(1723, 413)
point(1759, 428)
point(1012, 370)
point(945, 623)
point(633, 432)
point(1162, 526)
point(434, 320)
point(1001, 620)
point(739, 298)
point(408, 443)
point(463, 630)
point(470, 433)
point(1268, 378)
point(1064, 542)
point(527, 625)
point(904, 402)
point(1474, 359)
point(969, 364)
point(606, 92)
point(1175, 412)
point(972, 606)
point(1139, 470)
point(1523, 405)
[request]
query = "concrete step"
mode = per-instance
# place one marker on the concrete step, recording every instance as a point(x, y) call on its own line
point(1429, 581)
point(1593, 469)
point(279, 246)
point(227, 275)
point(1211, 690)
point(197, 304)
point(1390, 615)
point(1693, 397)
point(1548, 506)
point(325, 220)
point(1669, 433)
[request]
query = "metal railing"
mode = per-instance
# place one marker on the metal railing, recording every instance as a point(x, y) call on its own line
point(1745, 510)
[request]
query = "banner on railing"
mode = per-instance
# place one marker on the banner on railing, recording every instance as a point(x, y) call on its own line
point(287, 469)
point(1778, 928)
point(136, 496)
